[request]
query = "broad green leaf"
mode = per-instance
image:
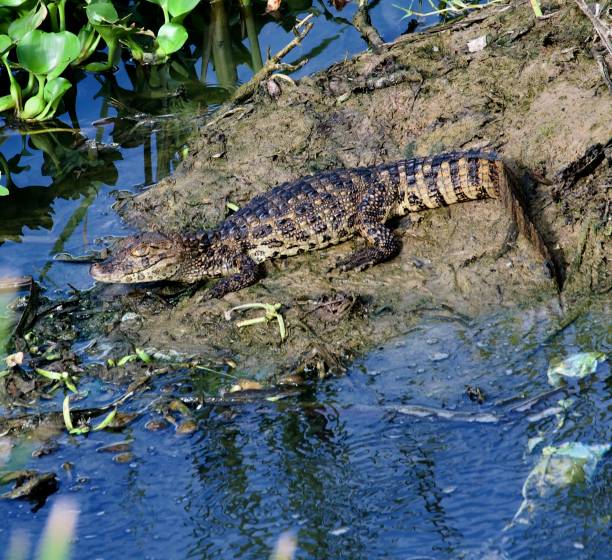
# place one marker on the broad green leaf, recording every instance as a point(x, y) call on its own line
point(27, 23)
point(179, 7)
point(54, 89)
point(578, 366)
point(3, 192)
point(171, 37)
point(101, 13)
point(570, 463)
point(5, 43)
point(32, 108)
point(47, 53)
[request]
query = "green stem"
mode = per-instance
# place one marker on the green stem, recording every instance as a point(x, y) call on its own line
point(28, 89)
point(62, 15)
point(225, 68)
point(15, 88)
point(52, 9)
point(247, 12)
point(537, 10)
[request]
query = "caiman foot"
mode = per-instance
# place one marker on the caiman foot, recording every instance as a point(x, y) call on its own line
point(361, 259)
point(248, 275)
point(382, 245)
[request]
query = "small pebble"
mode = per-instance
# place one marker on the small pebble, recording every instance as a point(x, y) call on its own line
point(118, 447)
point(292, 379)
point(156, 425)
point(246, 384)
point(129, 316)
point(187, 427)
point(122, 458)
point(438, 356)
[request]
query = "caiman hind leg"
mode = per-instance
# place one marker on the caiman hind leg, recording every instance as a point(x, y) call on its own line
point(370, 224)
point(248, 273)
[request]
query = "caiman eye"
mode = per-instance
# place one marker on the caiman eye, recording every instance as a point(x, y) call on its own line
point(139, 251)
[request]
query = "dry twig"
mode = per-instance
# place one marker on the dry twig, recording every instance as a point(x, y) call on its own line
point(361, 22)
point(273, 64)
point(604, 32)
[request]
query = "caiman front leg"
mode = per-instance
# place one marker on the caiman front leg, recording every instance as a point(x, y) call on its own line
point(382, 243)
point(248, 274)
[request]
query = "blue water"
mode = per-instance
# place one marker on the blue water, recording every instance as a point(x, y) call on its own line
point(46, 194)
point(344, 471)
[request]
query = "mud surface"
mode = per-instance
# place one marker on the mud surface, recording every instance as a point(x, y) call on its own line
point(533, 93)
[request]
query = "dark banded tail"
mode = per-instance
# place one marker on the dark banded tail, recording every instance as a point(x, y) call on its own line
point(449, 178)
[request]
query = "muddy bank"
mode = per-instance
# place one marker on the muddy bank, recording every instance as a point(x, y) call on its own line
point(533, 93)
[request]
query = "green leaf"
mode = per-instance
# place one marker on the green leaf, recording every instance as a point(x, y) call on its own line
point(4, 192)
point(179, 7)
point(53, 375)
point(5, 43)
point(126, 359)
point(47, 53)
point(570, 463)
point(27, 23)
point(55, 89)
point(107, 420)
point(171, 37)
point(66, 413)
point(101, 13)
point(12, 3)
point(143, 356)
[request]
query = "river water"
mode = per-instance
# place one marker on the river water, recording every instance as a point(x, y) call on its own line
point(343, 465)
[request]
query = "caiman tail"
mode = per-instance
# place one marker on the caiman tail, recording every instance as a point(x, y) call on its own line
point(511, 201)
point(443, 179)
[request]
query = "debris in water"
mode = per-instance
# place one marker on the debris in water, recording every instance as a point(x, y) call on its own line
point(577, 366)
point(568, 464)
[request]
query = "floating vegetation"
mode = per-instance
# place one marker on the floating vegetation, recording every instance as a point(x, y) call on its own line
point(577, 366)
point(570, 463)
point(84, 427)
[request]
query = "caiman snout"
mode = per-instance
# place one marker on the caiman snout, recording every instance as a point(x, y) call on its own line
point(148, 257)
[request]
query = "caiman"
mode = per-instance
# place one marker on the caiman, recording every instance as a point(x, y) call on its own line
point(315, 212)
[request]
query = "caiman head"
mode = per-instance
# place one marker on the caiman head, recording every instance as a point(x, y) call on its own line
point(152, 257)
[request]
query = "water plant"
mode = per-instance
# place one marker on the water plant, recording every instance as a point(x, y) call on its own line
point(36, 47)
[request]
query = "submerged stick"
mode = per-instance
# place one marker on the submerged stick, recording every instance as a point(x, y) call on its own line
point(363, 24)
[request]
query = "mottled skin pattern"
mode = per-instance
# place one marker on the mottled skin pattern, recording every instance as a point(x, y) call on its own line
point(312, 213)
